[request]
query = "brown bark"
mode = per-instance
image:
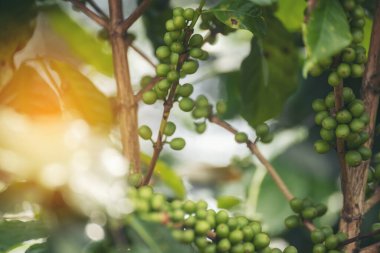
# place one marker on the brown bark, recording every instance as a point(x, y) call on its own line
point(354, 193)
point(128, 109)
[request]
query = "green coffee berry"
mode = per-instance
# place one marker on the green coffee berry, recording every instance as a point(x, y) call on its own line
point(177, 143)
point(342, 131)
point(319, 248)
point(175, 35)
point(327, 135)
point(359, 12)
point(357, 70)
point(318, 105)
point(169, 25)
point(241, 137)
point(292, 221)
point(221, 217)
point(200, 127)
point(145, 80)
point(176, 47)
point(236, 236)
point(321, 146)
point(172, 76)
point(174, 58)
point(201, 227)
point(162, 69)
point(261, 240)
point(179, 22)
point(164, 85)
point(321, 209)
point(341, 236)
point(296, 204)
point(332, 242)
point(145, 132)
point(178, 11)
point(357, 108)
point(187, 236)
point(169, 128)
point(344, 70)
point(168, 39)
point(320, 116)
point(348, 95)
point(357, 35)
point(353, 158)
point(309, 213)
point(189, 14)
point(357, 125)
point(149, 97)
point(186, 104)
point(327, 230)
point(317, 236)
point(201, 112)
point(343, 117)
point(185, 90)
point(222, 231)
point(365, 153)
point(248, 247)
point(329, 123)
point(268, 138)
point(334, 79)
point(201, 242)
point(325, 62)
point(330, 100)
point(248, 233)
point(315, 70)
point(135, 179)
point(196, 53)
point(202, 101)
point(348, 55)
point(190, 67)
point(290, 249)
point(262, 130)
point(223, 245)
point(162, 52)
point(221, 107)
point(196, 40)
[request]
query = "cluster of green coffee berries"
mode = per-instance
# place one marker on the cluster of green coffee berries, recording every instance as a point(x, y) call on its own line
point(205, 229)
point(262, 132)
point(350, 62)
point(373, 176)
point(348, 124)
point(304, 209)
point(325, 240)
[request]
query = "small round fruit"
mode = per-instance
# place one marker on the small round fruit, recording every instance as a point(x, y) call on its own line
point(177, 143)
point(357, 35)
point(145, 80)
point(329, 123)
point(164, 85)
point(292, 221)
point(332, 242)
point(327, 135)
point(185, 90)
point(168, 39)
point(349, 55)
point(341, 236)
point(179, 22)
point(325, 62)
point(174, 58)
point(321, 146)
point(330, 100)
point(357, 108)
point(201, 227)
point(162, 52)
point(202, 101)
point(175, 35)
point(261, 240)
point(319, 248)
point(186, 104)
point(365, 152)
point(189, 14)
point(200, 128)
point(196, 53)
point(344, 70)
point(190, 67)
point(162, 69)
point(145, 192)
point(359, 12)
point(221, 107)
point(236, 236)
point(223, 245)
point(357, 70)
point(327, 230)
point(178, 11)
point(262, 130)
point(357, 125)
point(317, 236)
point(201, 112)
point(309, 213)
point(348, 95)
point(169, 128)
point(268, 138)
point(149, 97)
point(172, 76)
point(296, 204)
point(318, 105)
point(241, 137)
point(222, 230)
point(320, 116)
point(169, 25)
point(221, 217)
point(135, 179)
point(187, 236)
point(201, 242)
point(342, 131)
point(196, 40)
point(248, 247)
point(334, 79)
point(145, 132)
point(176, 47)
point(315, 70)
point(343, 117)
point(353, 158)
point(290, 249)
point(321, 209)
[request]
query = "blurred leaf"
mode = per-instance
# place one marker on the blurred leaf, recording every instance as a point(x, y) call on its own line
point(154, 19)
point(153, 237)
point(268, 74)
point(15, 232)
point(17, 19)
point(84, 44)
point(367, 34)
point(168, 176)
point(227, 202)
point(38, 248)
point(326, 33)
point(231, 94)
point(264, 2)
point(240, 14)
point(294, 21)
point(80, 94)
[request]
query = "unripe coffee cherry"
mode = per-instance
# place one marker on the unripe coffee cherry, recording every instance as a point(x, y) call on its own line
point(318, 105)
point(315, 70)
point(344, 70)
point(241, 137)
point(169, 128)
point(348, 95)
point(330, 100)
point(169, 25)
point(222, 231)
point(202, 101)
point(262, 130)
point(334, 79)
point(189, 14)
point(319, 248)
point(223, 245)
point(175, 35)
point(179, 22)
point(317, 236)
point(164, 85)
point(177, 143)
point(200, 112)
point(349, 55)
point(176, 47)
point(357, 36)
point(343, 117)
point(321, 146)
point(149, 97)
point(221, 107)
point(162, 69)
point(357, 125)
point(290, 249)
point(135, 179)
point(353, 158)
point(236, 236)
point(196, 41)
point(190, 67)
point(174, 58)
point(185, 90)
point(331, 242)
point(327, 135)
point(349, 5)
point(359, 12)
point(329, 123)
point(186, 104)
point(172, 76)
point(178, 11)
point(365, 152)
point(221, 217)
point(261, 241)
point(196, 53)
point(162, 52)
point(309, 213)
point(357, 70)
point(357, 108)
point(325, 62)
point(296, 204)
point(188, 236)
point(320, 116)
point(293, 221)
point(145, 132)
point(200, 127)
point(342, 131)
point(201, 227)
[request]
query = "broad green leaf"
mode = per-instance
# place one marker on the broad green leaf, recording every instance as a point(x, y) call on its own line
point(227, 202)
point(231, 94)
point(293, 21)
point(264, 2)
point(17, 19)
point(367, 33)
point(326, 33)
point(152, 237)
point(154, 19)
point(268, 74)
point(168, 176)
point(84, 44)
point(240, 14)
point(81, 95)
point(12, 233)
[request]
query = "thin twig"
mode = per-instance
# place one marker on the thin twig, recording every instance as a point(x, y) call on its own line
point(143, 55)
point(89, 13)
point(136, 14)
point(373, 200)
point(361, 237)
point(97, 9)
point(150, 86)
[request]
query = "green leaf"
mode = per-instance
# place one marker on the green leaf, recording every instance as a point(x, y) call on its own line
point(153, 237)
point(168, 176)
point(240, 14)
point(15, 232)
point(294, 21)
point(227, 202)
point(326, 33)
point(83, 44)
point(38, 248)
point(231, 94)
point(154, 21)
point(264, 2)
point(268, 74)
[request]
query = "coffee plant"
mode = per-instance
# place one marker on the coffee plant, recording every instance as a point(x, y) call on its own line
point(312, 64)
